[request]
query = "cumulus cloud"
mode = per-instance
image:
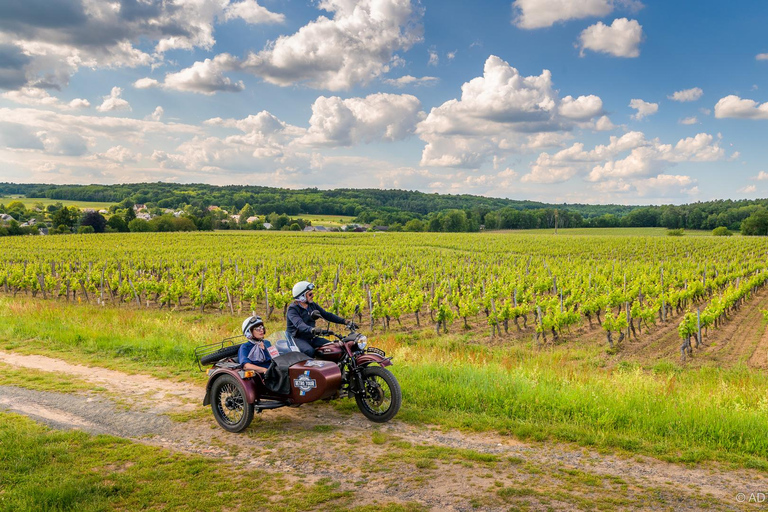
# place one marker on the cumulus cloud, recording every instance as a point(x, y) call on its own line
point(748, 189)
point(407, 80)
point(604, 124)
point(379, 116)
point(733, 106)
point(607, 163)
point(545, 13)
point(689, 120)
point(118, 154)
point(644, 108)
point(40, 97)
point(621, 39)
point(761, 56)
point(114, 102)
point(53, 40)
point(203, 77)
point(358, 45)
point(157, 114)
point(581, 108)
point(497, 112)
point(687, 95)
point(251, 12)
point(761, 176)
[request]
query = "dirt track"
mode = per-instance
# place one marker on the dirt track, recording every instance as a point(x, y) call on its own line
point(313, 441)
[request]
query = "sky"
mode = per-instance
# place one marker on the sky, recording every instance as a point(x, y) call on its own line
point(595, 101)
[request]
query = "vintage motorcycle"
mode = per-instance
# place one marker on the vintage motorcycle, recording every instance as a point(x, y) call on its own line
point(345, 367)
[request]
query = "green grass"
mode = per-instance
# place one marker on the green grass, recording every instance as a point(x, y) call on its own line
point(30, 202)
point(327, 220)
point(564, 394)
point(611, 232)
point(42, 469)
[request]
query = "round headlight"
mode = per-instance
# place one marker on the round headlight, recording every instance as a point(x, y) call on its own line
point(362, 342)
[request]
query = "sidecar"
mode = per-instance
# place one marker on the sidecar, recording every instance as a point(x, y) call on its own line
point(293, 379)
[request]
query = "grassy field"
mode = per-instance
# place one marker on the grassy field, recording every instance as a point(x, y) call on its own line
point(30, 202)
point(562, 393)
point(611, 232)
point(334, 221)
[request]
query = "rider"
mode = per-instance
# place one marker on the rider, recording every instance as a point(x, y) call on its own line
point(301, 325)
point(252, 354)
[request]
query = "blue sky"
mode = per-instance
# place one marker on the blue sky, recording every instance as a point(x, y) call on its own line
point(596, 101)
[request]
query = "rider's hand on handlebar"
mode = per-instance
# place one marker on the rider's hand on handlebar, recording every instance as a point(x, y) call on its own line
point(316, 331)
point(351, 325)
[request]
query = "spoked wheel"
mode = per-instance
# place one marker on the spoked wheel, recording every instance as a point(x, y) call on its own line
point(230, 408)
point(381, 396)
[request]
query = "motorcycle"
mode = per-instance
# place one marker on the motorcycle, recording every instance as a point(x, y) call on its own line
point(345, 367)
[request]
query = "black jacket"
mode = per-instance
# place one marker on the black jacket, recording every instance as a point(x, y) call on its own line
point(300, 323)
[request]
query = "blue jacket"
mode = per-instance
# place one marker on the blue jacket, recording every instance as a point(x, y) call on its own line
point(300, 323)
point(247, 354)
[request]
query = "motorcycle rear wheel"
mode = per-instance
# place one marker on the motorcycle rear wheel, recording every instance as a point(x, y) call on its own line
point(229, 405)
point(381, 396)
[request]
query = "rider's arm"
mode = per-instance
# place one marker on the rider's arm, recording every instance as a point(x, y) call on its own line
point(294, 318)
point(330, 316)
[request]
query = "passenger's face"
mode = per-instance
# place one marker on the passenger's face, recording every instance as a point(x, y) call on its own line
point(258, 332)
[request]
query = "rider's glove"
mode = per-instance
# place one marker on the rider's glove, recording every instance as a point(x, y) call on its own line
point(352, 325)
point(316, 331)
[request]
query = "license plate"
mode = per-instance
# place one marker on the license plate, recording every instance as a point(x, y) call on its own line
point(374, 350)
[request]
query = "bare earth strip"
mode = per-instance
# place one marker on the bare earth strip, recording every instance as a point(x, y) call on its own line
point(317, 441)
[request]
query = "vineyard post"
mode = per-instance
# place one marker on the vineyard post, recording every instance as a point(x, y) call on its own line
point(370, 304)
point(626, 307)
point(202, 288)
point(229, 299)
point(41, 280)
point(663, 304)
point(514, 298)
point(135, 293)
point(101, 290)
point(266, 296)
point(698, 323)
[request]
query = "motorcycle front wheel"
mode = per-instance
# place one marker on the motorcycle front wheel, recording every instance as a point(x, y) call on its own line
point(229, 405)
point(381, 397)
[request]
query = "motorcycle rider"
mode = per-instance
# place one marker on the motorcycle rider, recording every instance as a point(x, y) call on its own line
point(252, 354)
point(301, 325)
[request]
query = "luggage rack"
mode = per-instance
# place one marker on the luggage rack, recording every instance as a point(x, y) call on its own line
point(206, 350)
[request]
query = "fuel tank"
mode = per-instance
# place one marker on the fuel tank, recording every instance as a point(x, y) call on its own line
point(330, 352)
point(314, 380)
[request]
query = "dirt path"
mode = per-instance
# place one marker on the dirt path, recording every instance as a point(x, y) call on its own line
point(392, 463)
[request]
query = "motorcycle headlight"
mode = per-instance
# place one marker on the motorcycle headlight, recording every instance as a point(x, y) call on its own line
point(362, 342)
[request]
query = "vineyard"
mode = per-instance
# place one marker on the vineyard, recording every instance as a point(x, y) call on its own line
point(494, 284)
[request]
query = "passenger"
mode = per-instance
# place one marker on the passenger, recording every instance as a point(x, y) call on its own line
point(301, 325)
point(252, 354)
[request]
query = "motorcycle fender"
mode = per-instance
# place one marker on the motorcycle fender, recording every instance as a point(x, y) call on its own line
point(250, 387)
point(367, 359)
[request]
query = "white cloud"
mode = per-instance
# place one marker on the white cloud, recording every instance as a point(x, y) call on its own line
point(497, 112)
point(358, 45)
point(761, 56)
point(251, 12)
point(687, 95)
point(114, 102)
point(451, 55)
point(545, 13)
point(581, 108)
point(644, 108)
point(689, 120)
point(666, 185)
point(434, 59)
point(733, 106)
point(761, 176)
point(157, 114)
point(41, 98)
point(146, 83)
point(749, 189)
point(206, 77)
point(604, 124)
point(407, 80)
point(119, 154)
point(380, 116)
point(621, 39)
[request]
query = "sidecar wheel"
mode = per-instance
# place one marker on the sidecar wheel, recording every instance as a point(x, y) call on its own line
point(381, 396)
point(229, 405)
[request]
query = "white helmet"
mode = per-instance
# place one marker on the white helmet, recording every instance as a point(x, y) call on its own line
point(249, 323)
point(300, 288)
